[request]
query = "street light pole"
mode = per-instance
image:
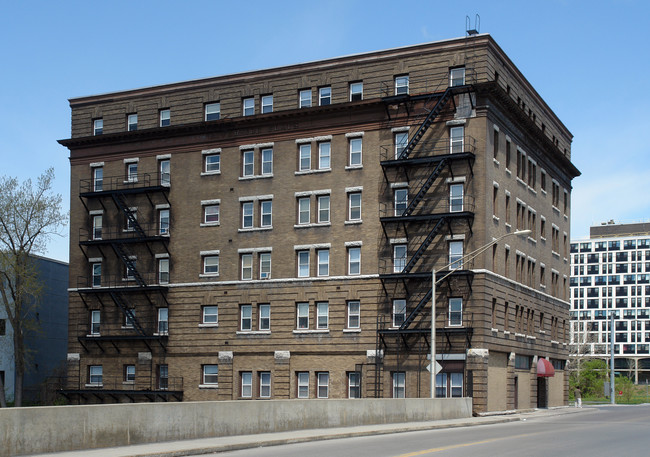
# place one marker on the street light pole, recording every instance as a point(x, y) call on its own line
point(612, 399)
point(458, 265)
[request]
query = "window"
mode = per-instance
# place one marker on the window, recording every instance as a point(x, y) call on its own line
point(441, 385)
point(248, 106)
point(495, 143)
point(163, 222)
point(265, 317)
point(163, 271)
point(455, 311)
point(304, 98)
point(267, 104)
point(210, 375)
point(355, 152)
point(354, 261)
point(324, 96)
point(303, 210)
point(211, 214)
point(456, 140)
point(354, 314)
point(265, 265)
point(247, 215)
point(246, 318)
point(266, 213)
point(401, 201)
point(508, 146)
point(97, 227)
point(210, 315)
point(324, 152)
point(457, 77)
point(129, 318)
point(211, 265)
point(322, 315)
point(302, 315)
point(246, 267)
point(401, 141)
point(399, 257)
point(132, 122)
point(303, 384)
point(129, 373)
point(95, 375)
point(399, 312)
point(96, 269)
point(212, 163)
point(3, 327)
point(131, 267)
point(354, 206)
point(356, 91)
point(354, 384)
point(323, 208)
point(303, 264)
point(246, 384)
point(163, 376)
point(455, 255)
point(267, 162)
point(323, 262)
point(132, 172)
point(95, 322)
point(305, 157)
point(98, 179)
point(163, 321)
point(98, 127)
point(323, 384)
point(212, 111)
point(401, 85)
point(399, 384)
point(248, 163)
point(456, 194)
point(265, 384)
point(165, 117)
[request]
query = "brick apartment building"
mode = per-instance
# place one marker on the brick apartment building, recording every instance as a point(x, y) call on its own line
point(271, 234)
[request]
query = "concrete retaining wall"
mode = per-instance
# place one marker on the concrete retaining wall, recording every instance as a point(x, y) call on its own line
point(65, 428)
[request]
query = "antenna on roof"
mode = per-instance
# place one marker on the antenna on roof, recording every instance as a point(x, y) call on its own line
point(468, 26)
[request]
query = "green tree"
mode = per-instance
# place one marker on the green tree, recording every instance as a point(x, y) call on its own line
point(590, 379)
point(29, 215)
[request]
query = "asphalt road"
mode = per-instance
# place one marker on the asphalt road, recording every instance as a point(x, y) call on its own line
point(598, 431)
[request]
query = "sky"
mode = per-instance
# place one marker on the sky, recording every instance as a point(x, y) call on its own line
point(589, 60)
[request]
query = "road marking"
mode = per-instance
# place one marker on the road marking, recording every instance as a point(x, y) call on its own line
point(455, 446)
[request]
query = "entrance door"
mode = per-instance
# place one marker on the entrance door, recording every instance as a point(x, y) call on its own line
point(542, 395)
point(516, 393)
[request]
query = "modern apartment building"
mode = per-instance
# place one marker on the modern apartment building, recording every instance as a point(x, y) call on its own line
point(611, 275)
point(271, 234)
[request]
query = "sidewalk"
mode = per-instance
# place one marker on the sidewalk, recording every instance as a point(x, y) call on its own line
point(232, 443)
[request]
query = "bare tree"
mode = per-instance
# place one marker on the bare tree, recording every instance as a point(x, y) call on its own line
point(29, 216)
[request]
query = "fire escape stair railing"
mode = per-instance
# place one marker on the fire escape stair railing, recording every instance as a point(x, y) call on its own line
point(423, 247)
point(425, 187)
point(128, 313)
point(411, 317)
point(129, 263)
point(133, 221)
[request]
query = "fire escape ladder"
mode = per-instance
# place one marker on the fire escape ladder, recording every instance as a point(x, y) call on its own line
point(437, 108)
point(129, 263)
point(379, 360)
point(425, 187)
point(128, 313)
point(411, 317)
point(423, 247)
point(130, 216)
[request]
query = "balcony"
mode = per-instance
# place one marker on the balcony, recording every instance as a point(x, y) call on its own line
point(143, 182)
point(116, 387)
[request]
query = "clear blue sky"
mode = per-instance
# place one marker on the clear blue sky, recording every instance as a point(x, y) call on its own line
point(589, 60)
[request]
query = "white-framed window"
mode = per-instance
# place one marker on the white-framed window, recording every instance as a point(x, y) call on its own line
point(441, 385)
point(399, 384)
point(132, 172)
point(131, 221)
point(322, 315)
point(303, 264)
point(131, 268)
point(267, 104)
point(354, 314)
point(401, 200)
point(96, 269)
point(302, 315)
point(456, 139)
point(323, 208)
point(248, 106)
point(95, 375)
point(211, 213)
point(210, 375)
point(165, 117)
point(97, 226)
point(303, 210)
point(399, 257)
point(212, 163)
point(129, 373)
point(98, 126)
point(401, 85)
point(163, 221)
point(356, 147)
point(95, 322)
point(457, 77)
point(399, 312)
point(246, 384)
point(212, 111)
point(324, 96)
point(265, 384)
point(211, 265)
point(266, 213)
point(267, 161)
point(401, 141)
point(264, 311)
point(163, 321)
point(323, 256)
point(455, 312)
point(354, 261)
point(210, 314)
point(456, 196)
point(246, 318)
point(129, 318)
point(324, 155)
point(163, 271)
point(305, 157)
point(132, 122)
point(248, 163)
point(302, 381)
point(162, 373)
point(354, 384)
point(164, 167)
point(265, 265)
point(304, 98)
point(246, 267)
point(455, 255)
point(247, 215)
point(456, 382)
point(323, 384)
point(356, 91)
point(98, 179)
point(354, 206)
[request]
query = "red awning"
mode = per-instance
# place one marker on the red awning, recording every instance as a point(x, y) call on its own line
point(545, 368)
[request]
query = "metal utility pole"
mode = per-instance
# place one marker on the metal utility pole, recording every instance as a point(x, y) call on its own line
point(612, 399)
